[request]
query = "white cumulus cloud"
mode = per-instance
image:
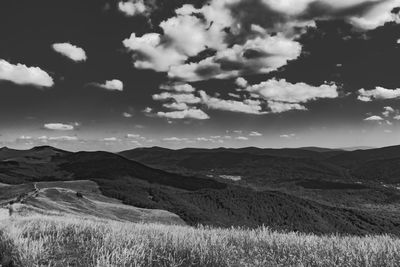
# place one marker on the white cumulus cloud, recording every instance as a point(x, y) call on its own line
point(113, 85)
point(127, 115)
point(379, 93)
point(179, 98)
point(23, 75)
point(247, 106)
point(132, 8)
point(374, 118)
point(180, 88)
point(283, 91)
point(192, 113)
point(59, 127)
point(71, 51)
point(255, 134)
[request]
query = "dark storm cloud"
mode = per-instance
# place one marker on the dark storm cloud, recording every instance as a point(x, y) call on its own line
point(256, 12)
point(322, 10)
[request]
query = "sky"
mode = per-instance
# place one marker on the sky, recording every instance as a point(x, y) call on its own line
point(115, 75)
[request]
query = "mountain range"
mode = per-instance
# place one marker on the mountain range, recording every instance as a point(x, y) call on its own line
point(308, 189)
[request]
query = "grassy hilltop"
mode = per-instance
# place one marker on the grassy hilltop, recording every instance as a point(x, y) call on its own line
point(73, 241)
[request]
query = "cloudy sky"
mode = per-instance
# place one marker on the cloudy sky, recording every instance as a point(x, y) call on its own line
point(113, 75)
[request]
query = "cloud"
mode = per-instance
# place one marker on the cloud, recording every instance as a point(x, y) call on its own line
point(23, 75)
point(191, 113)
point(242, 37)
point(374, 118)
point(212, 139)
point(262, 54)
point(147, 110)
point(379, 93)
point(25, 137)
point(176, 106)
point(179, 98)
point(203, 139)
point(247, 106)
point(180, 88)
point(280, 107)
point(282, 96)
point(241, 82)
point(72, 52)
point(364, 14)
point(198, 71)
point(387, 111)
point(127, 115)
point(132, 8)
point(137, 138)
point(174, 139)
point(202, 33)
point(287, 136)
point(59, 127)
point(136, 143)
point(150, 53)
point(283, 91)
point(277, 96)
point(242, 138)
point(376, 16)
point(255, 134)
point(207, 26)
point(63, 138)
point(46, 138)
point(234, 95)
point(133, 136)
point(173, 47)
point(113, 85)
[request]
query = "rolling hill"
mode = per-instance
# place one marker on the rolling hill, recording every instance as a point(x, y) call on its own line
point(291, 189)
point(77, 198)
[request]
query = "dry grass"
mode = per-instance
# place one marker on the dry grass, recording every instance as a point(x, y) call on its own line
point(62, 241)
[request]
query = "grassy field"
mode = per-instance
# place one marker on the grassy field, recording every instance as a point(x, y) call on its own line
point(62, 241)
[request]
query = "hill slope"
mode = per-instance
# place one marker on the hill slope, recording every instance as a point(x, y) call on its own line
point(79, 198)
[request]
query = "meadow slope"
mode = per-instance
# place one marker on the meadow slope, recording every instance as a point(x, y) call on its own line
point(72, 241)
